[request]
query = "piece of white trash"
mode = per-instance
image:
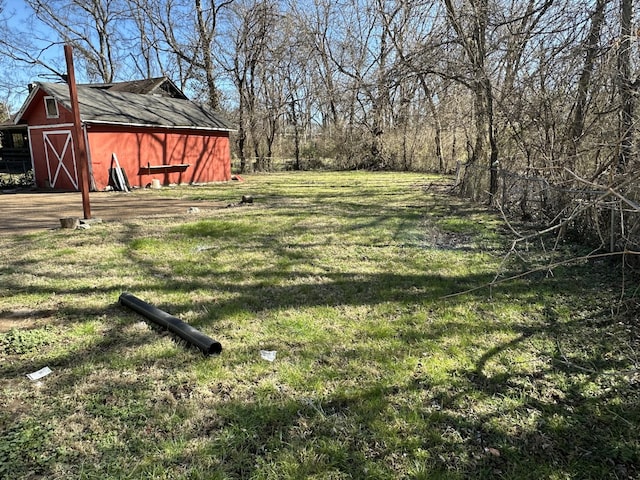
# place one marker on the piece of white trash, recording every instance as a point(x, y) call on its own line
point(43, 372)
point(269, 355)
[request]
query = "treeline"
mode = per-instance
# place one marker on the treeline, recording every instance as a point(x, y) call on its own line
point(531, 102)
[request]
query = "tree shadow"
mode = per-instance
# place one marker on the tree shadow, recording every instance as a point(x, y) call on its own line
point(573, 413)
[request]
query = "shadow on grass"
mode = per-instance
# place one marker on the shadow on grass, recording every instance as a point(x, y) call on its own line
point(572, 413)
point(557, 420)
point(575, 414)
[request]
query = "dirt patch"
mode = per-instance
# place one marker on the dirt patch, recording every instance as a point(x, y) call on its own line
point(30, 212)
point(24, 318)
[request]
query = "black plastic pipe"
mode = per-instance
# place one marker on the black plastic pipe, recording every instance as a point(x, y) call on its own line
point(207, 345)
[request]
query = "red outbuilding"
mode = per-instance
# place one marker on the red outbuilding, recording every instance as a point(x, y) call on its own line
point(147, 127)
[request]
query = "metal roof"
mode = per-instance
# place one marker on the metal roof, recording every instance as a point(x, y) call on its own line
point(102, 106)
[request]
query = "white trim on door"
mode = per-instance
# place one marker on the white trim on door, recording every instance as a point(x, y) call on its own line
point(56, 161)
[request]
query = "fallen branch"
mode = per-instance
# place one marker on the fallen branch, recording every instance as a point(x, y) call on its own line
point(568, 261)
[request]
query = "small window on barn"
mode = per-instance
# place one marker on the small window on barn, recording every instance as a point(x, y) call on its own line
point(51, 106)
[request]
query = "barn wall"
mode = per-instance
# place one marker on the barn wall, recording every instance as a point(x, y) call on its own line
point(37, 115)
point(57, 129)
point(207, 153)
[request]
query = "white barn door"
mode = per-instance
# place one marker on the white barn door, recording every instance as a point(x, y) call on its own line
point(61, 160)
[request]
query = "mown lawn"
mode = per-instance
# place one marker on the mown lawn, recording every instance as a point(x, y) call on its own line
point(380, 371)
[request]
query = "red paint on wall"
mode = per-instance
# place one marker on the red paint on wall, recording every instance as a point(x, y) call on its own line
point(206, 153)
point(37, 114)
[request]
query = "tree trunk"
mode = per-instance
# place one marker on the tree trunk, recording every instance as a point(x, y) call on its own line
point(242, 135)
point(296, 135)
point(481, 174)
point(626, 86)
point(584, 82)
point(437, 138)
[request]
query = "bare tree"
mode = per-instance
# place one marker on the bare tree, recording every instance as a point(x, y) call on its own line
point(470, 21)
point(91, 27)
point(628, 88)
point(26, 51)
point(189, 29)
point(591, 49)
point(415, 66)
point(315, 24)
point(360, 55)
point(248, 32)
point(150, 62)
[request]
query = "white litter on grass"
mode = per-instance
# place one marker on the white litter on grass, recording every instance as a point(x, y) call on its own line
point(269, 355)
point(43, 372)
point(202, 248)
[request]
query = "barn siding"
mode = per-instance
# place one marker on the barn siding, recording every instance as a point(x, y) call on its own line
point(37, 114)
point(208, 154)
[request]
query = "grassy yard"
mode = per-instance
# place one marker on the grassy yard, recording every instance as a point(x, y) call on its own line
point(380, 372)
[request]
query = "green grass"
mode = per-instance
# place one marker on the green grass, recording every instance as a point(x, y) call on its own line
point(380, 372)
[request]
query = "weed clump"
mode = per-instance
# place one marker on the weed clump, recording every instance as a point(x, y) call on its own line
point(19, 342)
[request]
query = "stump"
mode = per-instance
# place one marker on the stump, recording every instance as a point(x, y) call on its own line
point(70, 222)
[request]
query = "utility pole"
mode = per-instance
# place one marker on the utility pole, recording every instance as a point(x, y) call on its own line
point(78, 134)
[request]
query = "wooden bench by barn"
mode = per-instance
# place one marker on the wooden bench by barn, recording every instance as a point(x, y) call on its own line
point(152, 169)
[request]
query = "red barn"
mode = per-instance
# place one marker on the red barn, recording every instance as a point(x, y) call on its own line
point(148, 127)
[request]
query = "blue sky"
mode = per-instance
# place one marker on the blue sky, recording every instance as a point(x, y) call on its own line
point(17, 17)
point(14, 84)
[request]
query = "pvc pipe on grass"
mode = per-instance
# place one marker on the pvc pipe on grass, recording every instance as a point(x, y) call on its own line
point(207, 345)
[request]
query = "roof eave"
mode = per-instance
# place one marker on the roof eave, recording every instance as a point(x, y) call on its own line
point(26, 103)
point(170, 127)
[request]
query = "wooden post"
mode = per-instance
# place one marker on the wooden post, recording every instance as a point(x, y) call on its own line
point(78, 135)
